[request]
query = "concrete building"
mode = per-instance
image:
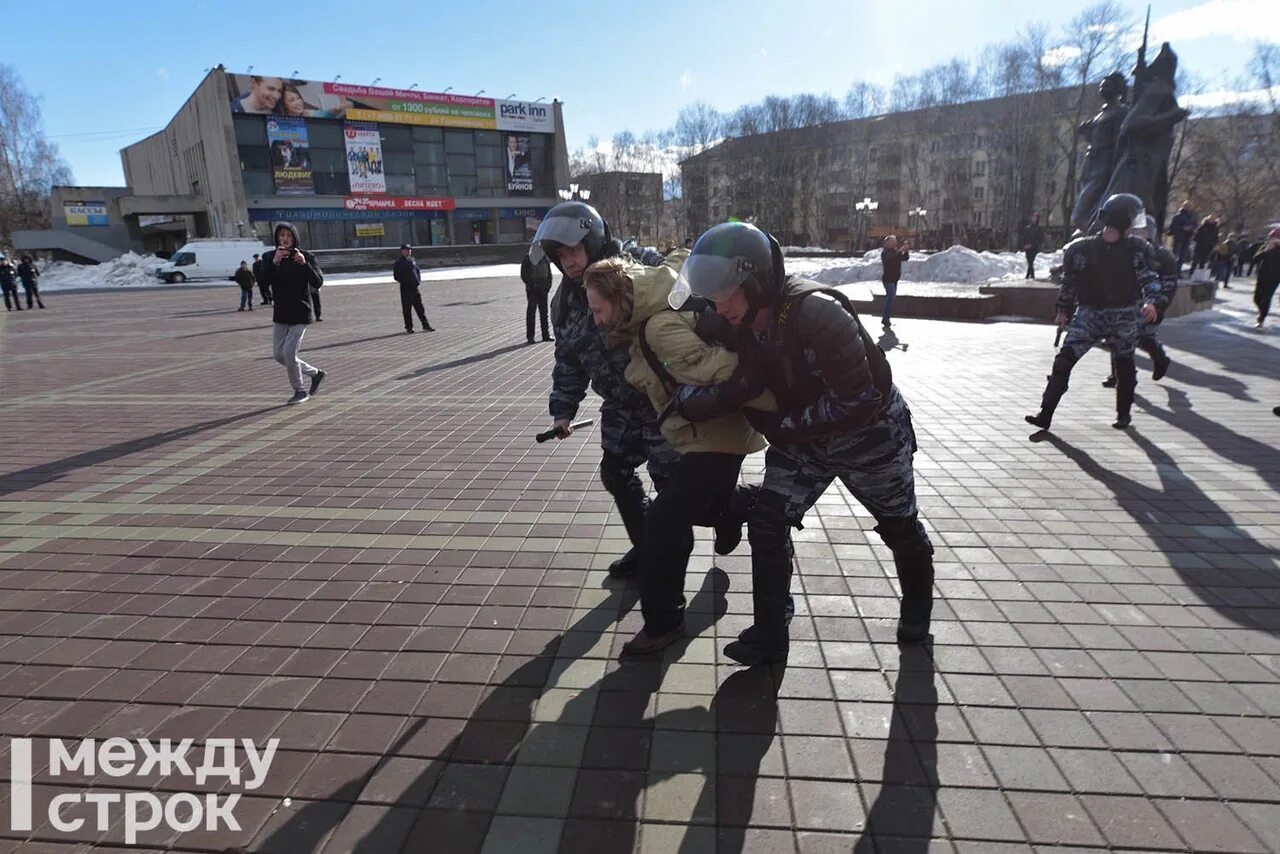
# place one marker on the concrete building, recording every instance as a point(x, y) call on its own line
point(631, 202)
point(349, 166)
point(977, 170)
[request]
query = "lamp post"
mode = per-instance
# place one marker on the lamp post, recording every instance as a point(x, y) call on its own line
point(574, 192)
point(919, 214)
point(865, 209)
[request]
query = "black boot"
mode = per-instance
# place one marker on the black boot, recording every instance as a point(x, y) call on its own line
point(627, 565)
point(1162, 362)
point(1126, 383)
point(633, 520)
point(768, 640)
point(1053, 392)
point(915, 574)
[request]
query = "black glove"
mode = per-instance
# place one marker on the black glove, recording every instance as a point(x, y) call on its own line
point(713, 328)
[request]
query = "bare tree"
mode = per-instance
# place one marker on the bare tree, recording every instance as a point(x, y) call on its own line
point(29, 163)
point(698, 127)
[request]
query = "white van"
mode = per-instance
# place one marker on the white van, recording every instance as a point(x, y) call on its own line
point(212, 258)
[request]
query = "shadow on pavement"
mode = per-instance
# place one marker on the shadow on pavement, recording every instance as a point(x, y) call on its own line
point(902, 816)
point(606, 726)
point(1177, 513)
point(51, 471)
point(458, 363)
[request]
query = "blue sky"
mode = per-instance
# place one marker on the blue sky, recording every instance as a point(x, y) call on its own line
point(111, 72)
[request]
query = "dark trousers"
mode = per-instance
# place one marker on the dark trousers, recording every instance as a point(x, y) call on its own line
point(33, 292)
point(699, 492)
point(1181, 250)
point(890, 293)
point(315, 301)
point(1201, 258)
point(1031, 262)
point(16, 303)
point(410, 301)
point(537, 304)
point(265, 290)
point(1262, 296)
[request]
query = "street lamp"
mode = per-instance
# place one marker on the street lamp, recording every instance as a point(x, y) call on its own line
point(447, 90)
point(919, 214)
point(375, 81)
point(865, 209)
point(574, 192)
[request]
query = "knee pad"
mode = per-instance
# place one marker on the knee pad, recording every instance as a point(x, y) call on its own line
point(1064, 362)
point(768, 529)
point(616, 476)
point(904, 535)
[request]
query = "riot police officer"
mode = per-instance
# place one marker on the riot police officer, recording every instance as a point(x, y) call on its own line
point(574, 235)
point(840, 416)
point(1167, 267)
point(1105, 278)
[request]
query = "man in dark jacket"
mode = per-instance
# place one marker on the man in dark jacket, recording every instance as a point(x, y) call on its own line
point(1205, 239)
point(406, 273)
point(572, 236)
point(29, 275)
point(839, 416)
point(9, 284)
point(1032, 240)
point(1267, 259)
point(263, 288)
point(537, 286)
point(1181, 227)
point(294, 278)
point(891, 258)
point(244, 278)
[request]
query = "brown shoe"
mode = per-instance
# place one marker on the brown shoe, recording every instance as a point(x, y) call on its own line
point(643, 644)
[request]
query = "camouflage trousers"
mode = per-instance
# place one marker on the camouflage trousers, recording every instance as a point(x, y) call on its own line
point(631, 438)
point(1119, 327)
point(874, 464)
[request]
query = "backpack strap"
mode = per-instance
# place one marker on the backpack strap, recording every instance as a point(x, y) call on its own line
point(655, 364)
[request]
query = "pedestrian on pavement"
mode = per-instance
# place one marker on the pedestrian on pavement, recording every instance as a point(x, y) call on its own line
point(537, 287)
point(264, 289)
point(1267, 260)
point(572, 236)
point(1181, 227)
point(1242, 249)
point(1032, 240)
point(1105, 278)
point(1222, 259)
point(30, 276)
point(839, 416)
point(406, 273)
point(891, 258)
point(628, 301)
point(1167, 268)
point(1205, 238)
point(9, 284)
point(244, 278)
point(1251, 254)
point(294, 278)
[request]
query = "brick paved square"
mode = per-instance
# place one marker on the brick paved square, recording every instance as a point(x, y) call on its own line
point(410, 593)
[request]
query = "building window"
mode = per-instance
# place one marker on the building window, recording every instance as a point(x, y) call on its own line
point(251, 130)
point(978, 193)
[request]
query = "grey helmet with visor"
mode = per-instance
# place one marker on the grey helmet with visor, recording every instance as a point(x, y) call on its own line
point(568, 224)
point(729, 256)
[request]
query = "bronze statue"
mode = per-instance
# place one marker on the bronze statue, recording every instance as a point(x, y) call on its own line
point(1103, 133)
point(1146, 135)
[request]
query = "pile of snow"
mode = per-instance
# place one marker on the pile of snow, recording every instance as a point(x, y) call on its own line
point(128, 271)
point(956, 264)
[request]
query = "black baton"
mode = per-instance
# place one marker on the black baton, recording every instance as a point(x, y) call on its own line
point(555, 431)
point(1057, 339)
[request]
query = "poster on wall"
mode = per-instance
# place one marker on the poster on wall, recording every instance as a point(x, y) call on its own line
point(290, 156)
point(370, 229)
point(519, 166)
point(284, 96)
point(85, 213)
point(364, 158)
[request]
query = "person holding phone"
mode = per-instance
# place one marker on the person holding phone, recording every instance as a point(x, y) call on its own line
point(294, 278)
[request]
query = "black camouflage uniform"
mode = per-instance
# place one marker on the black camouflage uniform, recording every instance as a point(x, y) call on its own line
point(840, 417)
point(1104, 284)
point(1168, 269)
point(628, 426)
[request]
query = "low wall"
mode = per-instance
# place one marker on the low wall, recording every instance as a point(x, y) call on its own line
point(1037, 300)
point(428, 257)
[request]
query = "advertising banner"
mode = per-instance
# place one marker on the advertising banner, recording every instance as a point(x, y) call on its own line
point(85, 213)
point(364, 158)
point(370, 229)
point(525, 116)
point(290, 156)
point(334, 215)
point(519, 169)
point(398, 203)
point(283, 96)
